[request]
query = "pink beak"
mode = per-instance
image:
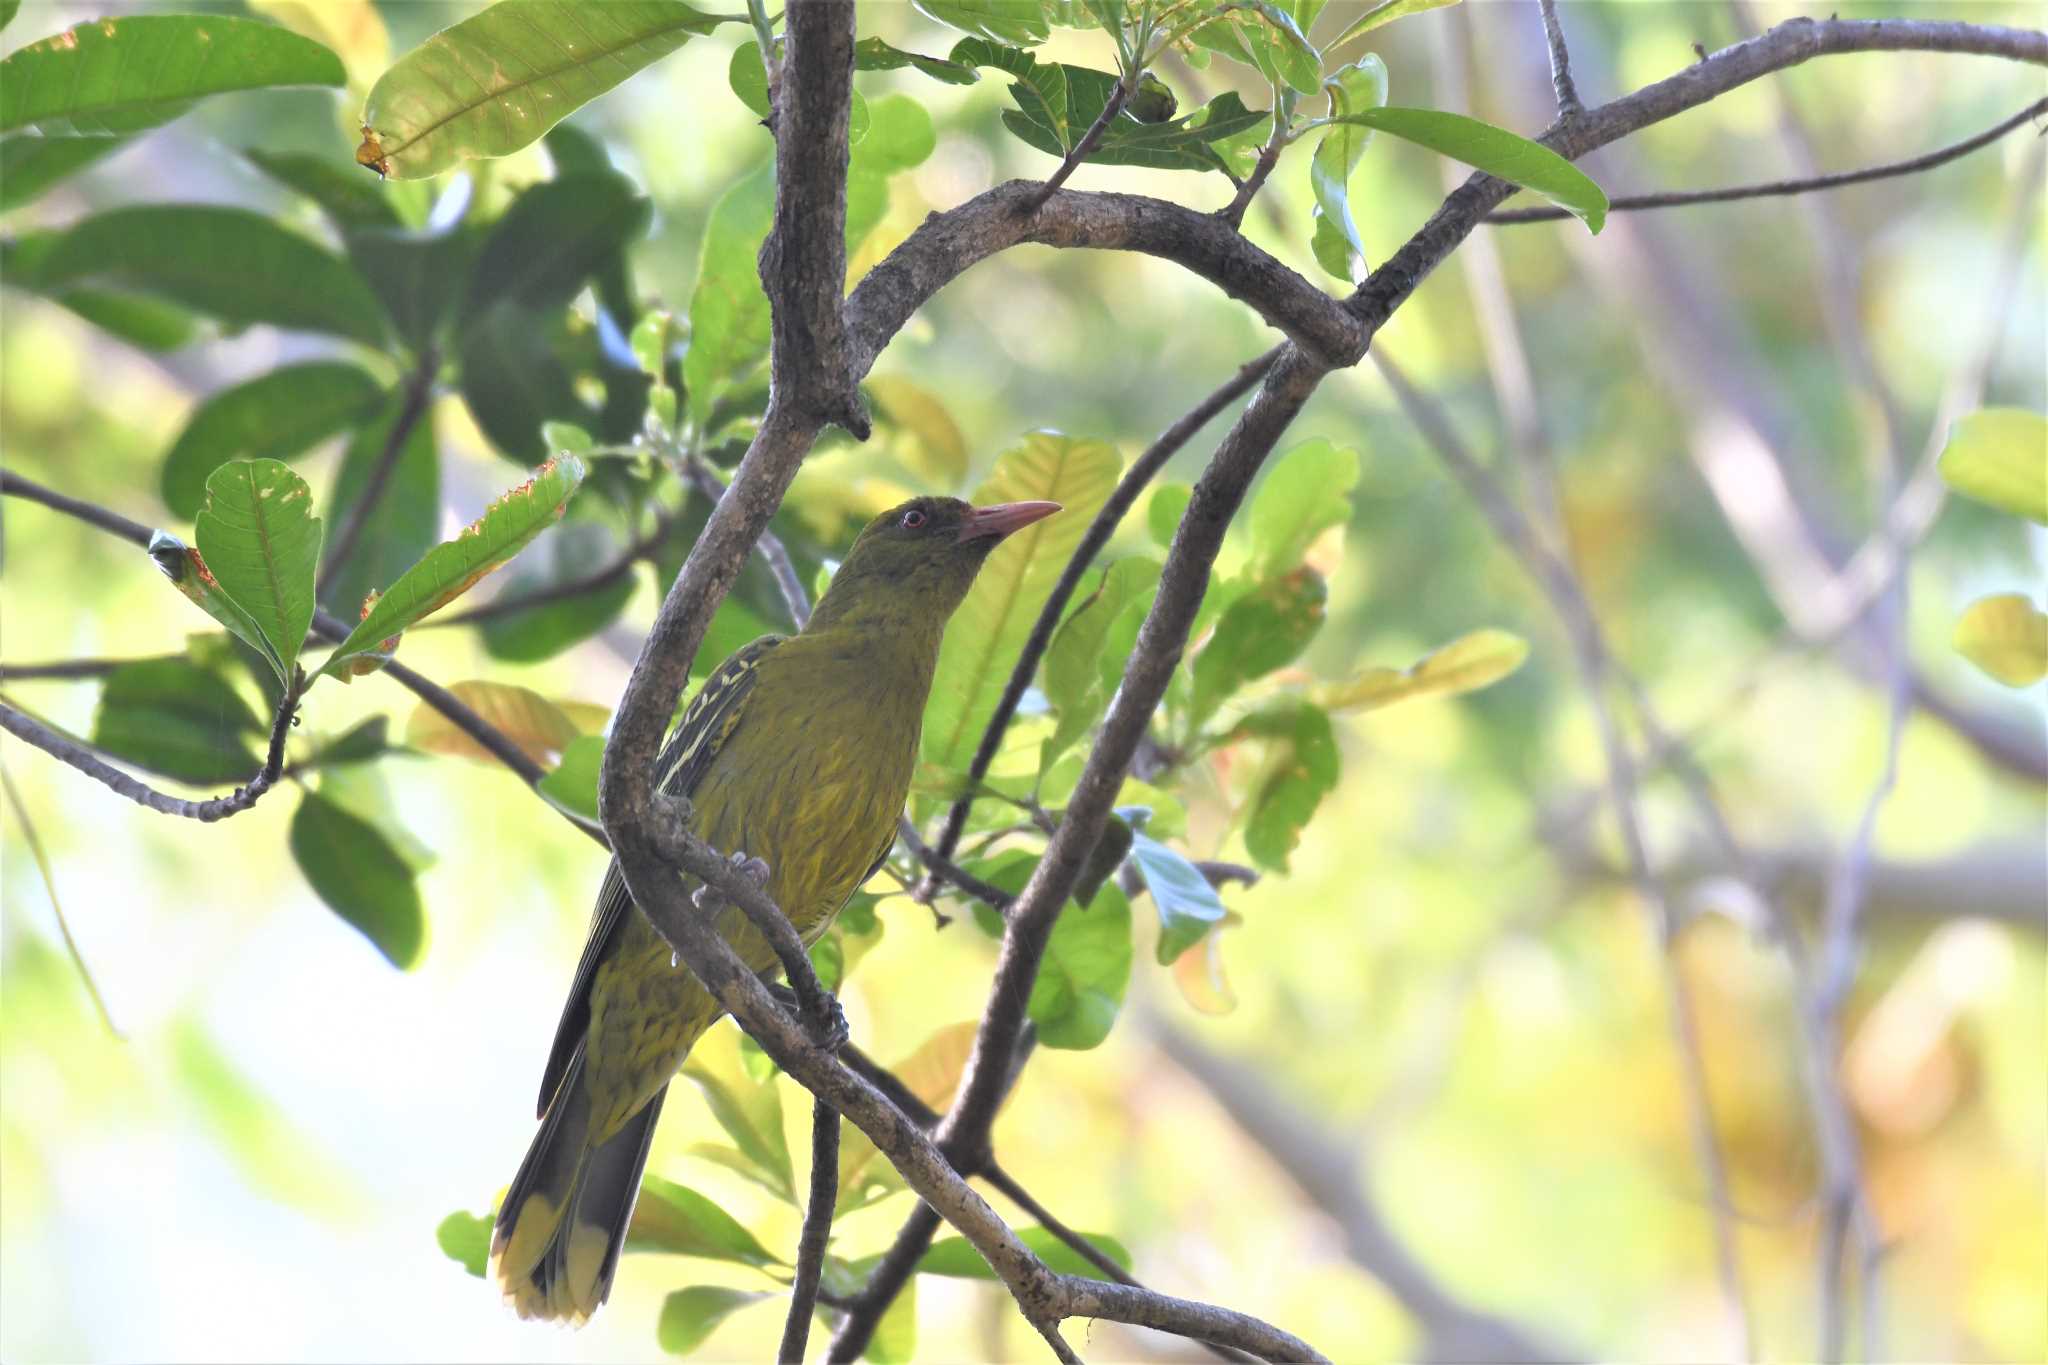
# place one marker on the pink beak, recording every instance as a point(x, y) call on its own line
point(1003, 518)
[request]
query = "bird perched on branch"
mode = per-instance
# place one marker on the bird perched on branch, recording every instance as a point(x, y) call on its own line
point(796, 752)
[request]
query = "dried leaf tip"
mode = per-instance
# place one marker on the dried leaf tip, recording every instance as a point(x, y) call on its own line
point(371, 154)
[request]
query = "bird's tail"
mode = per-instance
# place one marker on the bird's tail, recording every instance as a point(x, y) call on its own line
point(563, 1222)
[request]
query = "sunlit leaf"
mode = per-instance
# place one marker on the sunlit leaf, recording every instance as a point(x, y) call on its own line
point(1080, 988)
point(1074, 661)
point(1496, 151)
point(925, 434)
point(2006, 635)
point(1466, 664)
point(690, 1316)
point(895, 1338)
point(572, 783)
point(932, 1073)
point(1017, 23)
point(1298, 770)
point(990, 627)
point(453, 567)
point(2000, 456)
point(258, 535)
point(956, 1256)
point(498, 80)
point(541, 729)
point(1188, 906)
point(1351, 89)
point(676, 1219)
point(749, 1111)
point(352, 29)
point(1199, 975)
point(1168, 504)
point(1385, 12)
point(114, 76)
point(186, 568)
point(279, 414)
point(728, 311)
point(361, 877)
point(1307, 491)
point(872, 54)
point(465, 1238)
point(171, 717)
point(1265, 629)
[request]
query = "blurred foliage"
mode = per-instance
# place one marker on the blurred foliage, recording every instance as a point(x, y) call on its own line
point(211, 311)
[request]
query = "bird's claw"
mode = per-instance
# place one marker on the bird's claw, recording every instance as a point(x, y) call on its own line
point(755, 870)
point(825, 1022)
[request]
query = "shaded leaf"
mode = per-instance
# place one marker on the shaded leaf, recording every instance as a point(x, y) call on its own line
point(152, 324)
point(925, 435)
point(366, 740)
point(114, 76)
point(258, 535)
point(990, 627)
point(465, 1238)
point(1307, 491)
point(453, 567)
point(540, 728)
point(1352, 89)
point(417, 275)
point(344, 193)
point(553, 239)
point(572, 783)
point(1188, 906)
point(570, 554)
point(1466, 664)
point(956, 1256)
point(1018, 23)
point(233, 264)
point(405, 521)
point(1264, 629)
point(676, 1219)
point(2007, 637)
point(749, 1111)
point(728, 311)
point(498, 80)
point(1298, 771)
point(690, 1316)
point(2000, 456)
point(1087, 968)
point(872, 54)
point(29, 165)
point(172, 717)
point(278, 414)
point(1496, 151)
point(361, 877)
point(1199, 976)
point(514, 380)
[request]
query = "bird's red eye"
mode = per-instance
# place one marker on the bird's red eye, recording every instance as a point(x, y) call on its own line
point(914, 520)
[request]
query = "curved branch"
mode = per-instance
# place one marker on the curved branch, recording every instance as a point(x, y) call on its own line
point(1780, 188)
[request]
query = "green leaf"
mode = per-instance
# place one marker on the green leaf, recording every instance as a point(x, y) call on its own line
point(236, 265)
point(1496, 151)
point(279, 414)
point(1087, 968)
point(514, 380)
point(465, 1238)
point(137, 319)
point(8, 9)
point(282, 1162)
point(364, 741)
point(2007, 637)
point(1307, 491)
point(872, 54)
point(114, 76)
point(553, 239)
point(956, 1256)
point(497, 81)
point(728, 311)
point(30, 165)
point(924, 435)
point(1385, 12)
point(690, 1316)
point(895, 1338)
point(353, 868)
point(1015, 23)
point(1352, 89)
point(1288, 53)
point(676, 1219)
point(406, 519)
point(343, 192)
point(1074, 661)
point(258, 534)
point(1466, 664)
point(2000, 456)
point(572, 783)
point(187, 570)
point(453, 567)
point(1188, 906)
point(417, 275)
point(749, 1111)
point(574, 552)
point(1265, 629)
point(1169, 503)
point(172, 717)
point(1299, 770)
point(991, 626)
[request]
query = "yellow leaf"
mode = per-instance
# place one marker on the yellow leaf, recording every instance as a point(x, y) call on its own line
point(539, 727)
point(932, 1072)
point(2000, 456)
point(352, 28)
point(1474, 661)
point(928, 438)
point(1199, 972)
point(2006, 637)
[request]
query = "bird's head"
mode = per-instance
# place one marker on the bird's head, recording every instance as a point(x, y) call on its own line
point(917, 560)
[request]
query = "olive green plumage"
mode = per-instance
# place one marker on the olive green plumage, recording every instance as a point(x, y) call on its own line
point(797, 751)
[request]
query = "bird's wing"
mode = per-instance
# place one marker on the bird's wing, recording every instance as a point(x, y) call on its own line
point(711, 717)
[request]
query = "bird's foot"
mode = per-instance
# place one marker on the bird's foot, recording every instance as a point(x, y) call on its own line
point(753, 869)
point(825, 1022)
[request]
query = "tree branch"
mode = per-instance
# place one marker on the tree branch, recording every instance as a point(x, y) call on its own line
point(602, 577)
point(134, 532)
point(419, 390)
point(1568, 106)
point(810, 1247)
point(1080, 151)
point(774, 554)
point(1778, 188)
point(65, 669)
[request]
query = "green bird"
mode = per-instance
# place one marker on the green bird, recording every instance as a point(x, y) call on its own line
point(798, 752)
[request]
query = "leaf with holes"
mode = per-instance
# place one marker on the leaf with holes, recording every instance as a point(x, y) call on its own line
point(500, 79)
point(991, 626)
point(1465, 665)
point(258, 535)
point(872, 54)
point(453, 567)
point(116, 76)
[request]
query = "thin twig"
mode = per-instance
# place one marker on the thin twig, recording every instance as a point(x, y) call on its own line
point(35, 850)
point(945, 869)
point(419, 390)
point(1134, 481)
point(1080, 150)
point(66, 669)
point(1568, 106)
point(1779, 188)
point(810, 1247)
point(1248, 188)
point(774, 554)
point(134, 532)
